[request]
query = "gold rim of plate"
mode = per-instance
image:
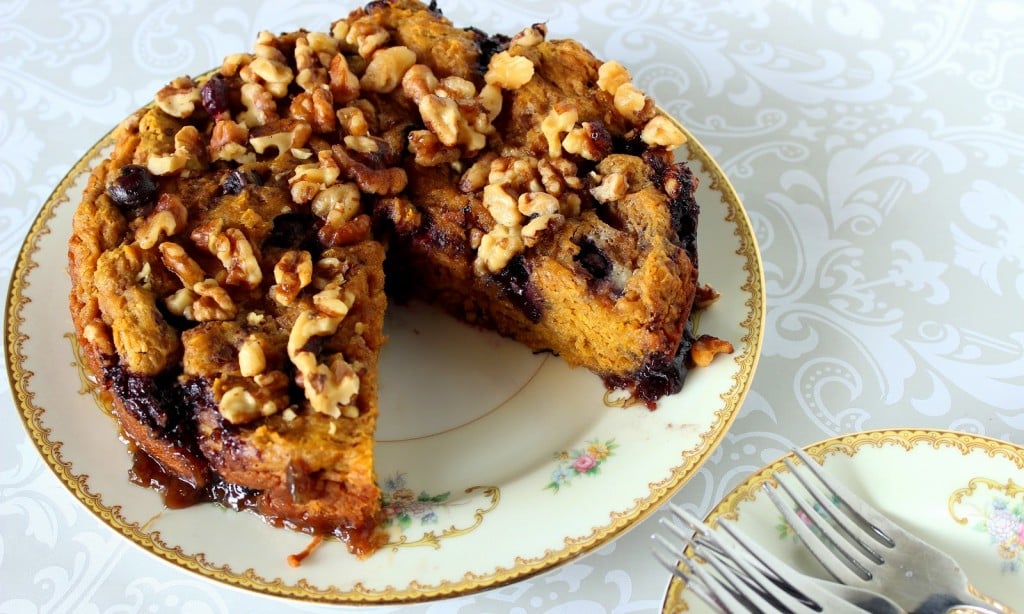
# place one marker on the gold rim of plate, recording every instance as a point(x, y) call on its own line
point(32, 416)
point(847, 445)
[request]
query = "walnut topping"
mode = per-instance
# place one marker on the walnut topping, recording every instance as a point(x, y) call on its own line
point(706, 347)
point(611, 75)
point(366, 36)
point(558, 174)
point(292, 273)
point(283, 135)
point(344, 83)
point(559, 120)
point(529, 37)
point(274, 75)
point(661, 132)
point(509, 71)
point(180, 263)
point(429, 151)
point(331, 387)
point(402, 214)
point(238, 406)
point(228, 142)
point(310, 324)
point(260, 107)
point(364, 144)
point(419, 81)
point(233, 63)
point(188, 147)
point(383, 182)
point(537, 203)
point(179, 97)
point(386, 69)
point(315, 108)
point(309, 179)
point(629, 101)
point(501, 205)
point(491, 100)
point(538, 225)
point(612, 188)
point(180, 303)
point(353, 121)
point(331, 302)
point(167, 219)
point(590, 140)
point(476, 177)
point(235, 252)
point(497, 247)
point(251, 358)
point(213, 302)
point(337, 204)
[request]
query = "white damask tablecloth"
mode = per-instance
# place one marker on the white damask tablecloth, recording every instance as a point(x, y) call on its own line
point(878, 151)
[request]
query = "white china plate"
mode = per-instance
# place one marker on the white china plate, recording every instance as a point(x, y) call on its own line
point(496, 463)
point(963, 493)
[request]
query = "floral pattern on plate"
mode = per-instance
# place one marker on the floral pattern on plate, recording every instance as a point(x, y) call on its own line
point(580, 461)
point(997, 510)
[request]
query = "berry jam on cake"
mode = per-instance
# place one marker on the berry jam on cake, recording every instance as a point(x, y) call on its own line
point(229, 259)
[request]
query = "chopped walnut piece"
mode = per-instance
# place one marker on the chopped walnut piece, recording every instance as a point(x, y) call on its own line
point(181, 264)
point(491, 100)
point(611, 75)
point(419, 81)
point(331, 302)
point(234, 62)
point(345, 233)
point(178, 98)
point(353, 121)
point(260, 107)
point(537, 203)
point(236, 253)
point(509, 71)
point(558, 174)
point(309, 179)
point(344, 83)
point(330, 387)
point(282, 135)
point(612, 188)
point(629, 101)
point(403, 215)
point(706, 347)
point(251, 358)
point(310, 324)
point(661, 132)
point(591, 141)
point(705, 296)
point(167, 219)
point(529, 37)
point(382, 182)
point(476, 177)
point(229, 142)
point(366, 36)
point(188, 149)
point(213, 302)
point(266, 47)
point(497, 247)
point(538, 225)
point(501, 205)
point(429, 151)
point(239, 406)
point(180, 303)
point(559, 120)
point(337, 204)
point(274, 75)
point(292, 273)
point(386, 69)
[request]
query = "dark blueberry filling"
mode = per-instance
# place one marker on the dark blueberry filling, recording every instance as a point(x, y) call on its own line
point(660, 375)
point(215, 96)
point(593, 260)
point(294, 230)
point(681, 184)
point(158, 401)
point(238, 179)
point(514, 281)
point(489, 46)
point(135, 187)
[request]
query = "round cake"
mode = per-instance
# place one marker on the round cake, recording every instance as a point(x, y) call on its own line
point(230, 260)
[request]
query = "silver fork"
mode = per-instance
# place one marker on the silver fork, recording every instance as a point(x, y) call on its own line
point(731, 573)
point(859, 546)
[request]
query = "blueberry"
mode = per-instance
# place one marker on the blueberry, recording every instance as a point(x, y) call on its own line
point(237, 180)
point(593, 260)
point(134, 188)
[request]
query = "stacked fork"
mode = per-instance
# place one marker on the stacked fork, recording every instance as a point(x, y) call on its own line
point(868, 555)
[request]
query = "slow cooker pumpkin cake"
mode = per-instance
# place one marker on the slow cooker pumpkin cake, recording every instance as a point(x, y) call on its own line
point(229, 259)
